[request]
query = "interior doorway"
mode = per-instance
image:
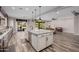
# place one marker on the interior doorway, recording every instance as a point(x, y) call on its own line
point(21, 24)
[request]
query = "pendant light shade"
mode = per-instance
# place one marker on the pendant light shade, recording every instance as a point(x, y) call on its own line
point(35, 14)
point(32, 15)
point(39, 12)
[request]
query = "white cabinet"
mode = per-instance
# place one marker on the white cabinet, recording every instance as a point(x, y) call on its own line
point(6, 36)
point(28, 35)
point(49, 39)
point(34, 41)
point(41, 41)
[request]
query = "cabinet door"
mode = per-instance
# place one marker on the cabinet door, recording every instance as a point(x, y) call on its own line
point(34, 40)
point(41, 42)
point(26, 35)
point(49, 39)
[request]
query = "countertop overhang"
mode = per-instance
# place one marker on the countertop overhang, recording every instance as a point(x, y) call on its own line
point(39, 31)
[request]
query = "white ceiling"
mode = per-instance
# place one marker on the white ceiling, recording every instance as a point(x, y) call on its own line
point(63, 13)
point(20, 12)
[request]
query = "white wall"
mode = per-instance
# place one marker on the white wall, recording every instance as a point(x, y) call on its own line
point(67, 23)
point(64, 19)
point(76, 24)
point(12, 23)
point(30, 24)
point(1, 15)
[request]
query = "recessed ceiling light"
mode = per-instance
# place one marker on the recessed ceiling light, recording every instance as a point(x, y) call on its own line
point(13, 8)
point(26, 9)
point(20, 8)
point(57, 12)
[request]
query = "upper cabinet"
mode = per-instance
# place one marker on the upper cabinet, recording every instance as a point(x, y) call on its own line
point(3, 17)
point(2, 21)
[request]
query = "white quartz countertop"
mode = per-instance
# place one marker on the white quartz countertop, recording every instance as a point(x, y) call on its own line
point(5, 33)
point(39, 31)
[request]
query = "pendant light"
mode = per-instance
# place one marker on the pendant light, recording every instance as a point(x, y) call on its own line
point(32, 15)
point(35, 14)
point(39, 12)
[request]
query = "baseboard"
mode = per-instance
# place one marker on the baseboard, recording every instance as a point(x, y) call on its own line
point(69, 33)
point(76, 34)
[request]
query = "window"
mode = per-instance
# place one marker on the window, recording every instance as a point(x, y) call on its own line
point(40, 24)
point(21, 25)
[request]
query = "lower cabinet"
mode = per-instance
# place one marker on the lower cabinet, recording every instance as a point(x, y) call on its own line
point(6, 38)
point(49, 39)
point(39, 42)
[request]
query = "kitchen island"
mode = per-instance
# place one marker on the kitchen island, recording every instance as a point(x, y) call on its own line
point(40, 38)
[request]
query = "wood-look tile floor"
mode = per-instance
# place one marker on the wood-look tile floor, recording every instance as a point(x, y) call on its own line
point(63, 42)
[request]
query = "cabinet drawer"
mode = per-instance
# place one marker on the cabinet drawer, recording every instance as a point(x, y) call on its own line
point(48, 34)
point(41, 35)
